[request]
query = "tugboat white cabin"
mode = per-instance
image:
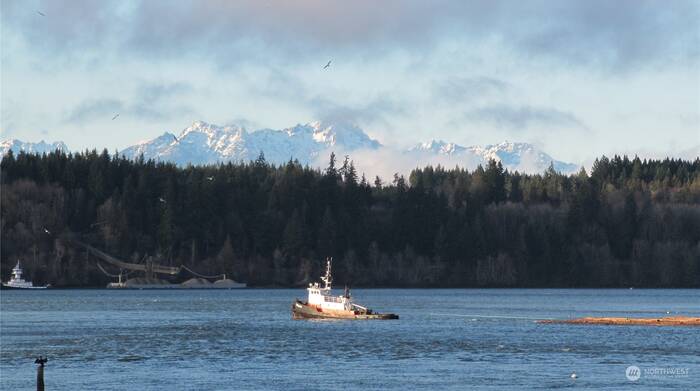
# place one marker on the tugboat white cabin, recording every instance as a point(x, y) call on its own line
point(322, 296)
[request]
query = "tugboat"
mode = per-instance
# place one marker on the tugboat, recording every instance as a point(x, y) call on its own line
point(322, 304)
point(17, 282)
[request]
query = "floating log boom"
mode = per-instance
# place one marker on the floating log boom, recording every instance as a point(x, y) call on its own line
point(668, 321)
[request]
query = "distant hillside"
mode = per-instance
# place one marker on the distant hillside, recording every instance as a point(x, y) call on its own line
point(630, 223)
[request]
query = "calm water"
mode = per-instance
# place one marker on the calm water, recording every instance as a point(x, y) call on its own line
point(246, 340)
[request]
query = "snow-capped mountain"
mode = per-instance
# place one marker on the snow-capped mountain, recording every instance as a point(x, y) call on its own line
point(203, 143)
point(523, 157)
point(41, 147)
point(438, 147)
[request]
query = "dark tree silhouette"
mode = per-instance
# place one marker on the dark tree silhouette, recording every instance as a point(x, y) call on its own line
point(631, 222)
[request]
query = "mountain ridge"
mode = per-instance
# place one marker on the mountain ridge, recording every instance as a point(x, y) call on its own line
point(31, 147)
point(204, 143)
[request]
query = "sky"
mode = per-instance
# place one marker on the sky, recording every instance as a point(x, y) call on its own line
point(577, 78)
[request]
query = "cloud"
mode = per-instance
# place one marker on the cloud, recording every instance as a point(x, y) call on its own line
point(242, 122)
point(158, 101)
point(327, 104)
point(618, 36)
point(93, 109)
point(469, 88)
point(690, 119)
point(378, 110)
point(615, 36)
point(157, 92)
point(610, 34)
point(276, 82)
point(10, 110)
point(521, 117)
point(151, 101)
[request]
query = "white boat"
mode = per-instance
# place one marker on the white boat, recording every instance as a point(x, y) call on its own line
point(322, 304)
point(17, 282)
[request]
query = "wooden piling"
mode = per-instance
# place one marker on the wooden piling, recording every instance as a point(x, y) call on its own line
point(40, 378)
point(40, 372)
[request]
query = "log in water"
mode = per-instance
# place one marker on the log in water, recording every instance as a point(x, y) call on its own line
point(668, 321)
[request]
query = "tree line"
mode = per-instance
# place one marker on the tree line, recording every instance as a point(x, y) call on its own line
point(630, 222)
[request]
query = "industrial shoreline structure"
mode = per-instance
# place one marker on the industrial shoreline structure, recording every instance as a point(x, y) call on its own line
point(151, 270)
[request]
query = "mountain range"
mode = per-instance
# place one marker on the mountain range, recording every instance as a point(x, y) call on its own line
point(203, 143)
point(41, 147)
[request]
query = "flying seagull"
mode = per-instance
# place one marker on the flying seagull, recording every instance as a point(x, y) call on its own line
point(47, 231)
point(115, 117)
point(161, 199)
point(210, 178)
point(40, 13)
point(327, 65)
point(176, 139)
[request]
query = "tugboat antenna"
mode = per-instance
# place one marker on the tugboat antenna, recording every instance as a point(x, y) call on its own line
point(327, 279)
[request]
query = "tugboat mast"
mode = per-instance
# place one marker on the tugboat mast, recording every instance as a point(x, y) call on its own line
point(327, 279)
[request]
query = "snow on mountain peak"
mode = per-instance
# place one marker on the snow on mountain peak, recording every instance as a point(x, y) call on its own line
point(523, 157)
point(438, 147)
point(41, 147)
point(213, 131)
point(204, 143)
point(343, 134)
point(324, 135)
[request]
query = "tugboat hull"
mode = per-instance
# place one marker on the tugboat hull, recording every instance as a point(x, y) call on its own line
point(8, 286)
point(301, 310)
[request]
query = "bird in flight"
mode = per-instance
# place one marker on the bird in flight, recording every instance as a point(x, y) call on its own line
point(327, 65)
point(161, 199)
point(176, 139)
point(115, 117)
point(40, 13)
point(210, 178)
point(47, 231)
